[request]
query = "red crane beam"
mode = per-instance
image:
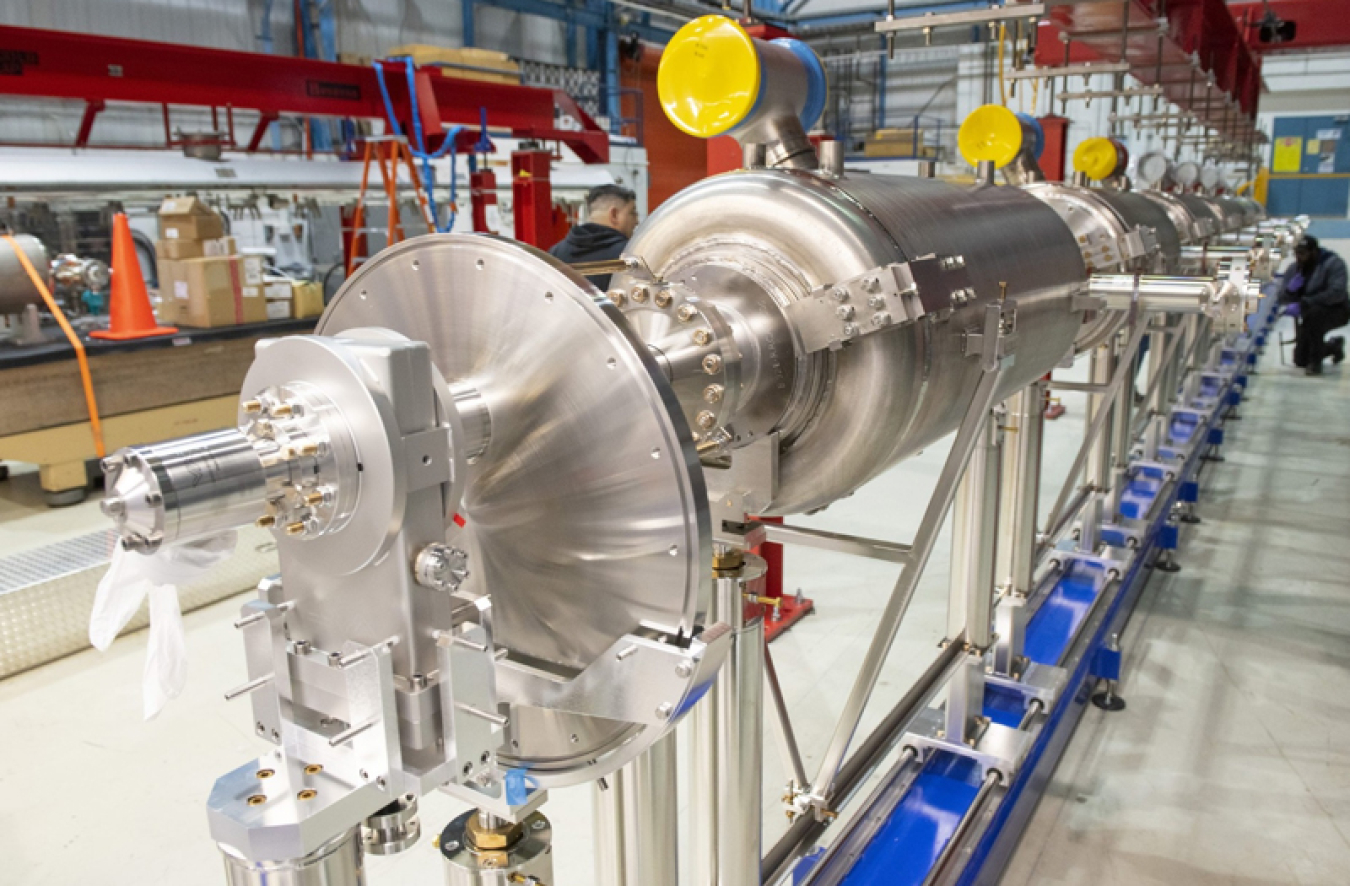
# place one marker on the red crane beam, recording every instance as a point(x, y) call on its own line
point(1322, 24)
point(59, 64)
point(1197, 41)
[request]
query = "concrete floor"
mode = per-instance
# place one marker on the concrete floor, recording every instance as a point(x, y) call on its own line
point(1231, 763)
point(90, 793)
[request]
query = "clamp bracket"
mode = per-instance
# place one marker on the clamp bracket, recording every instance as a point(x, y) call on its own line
point(883, 298)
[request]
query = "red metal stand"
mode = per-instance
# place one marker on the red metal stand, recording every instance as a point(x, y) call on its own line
point(532, 197)
point(789, 610)
point(1053, 158)
point(482, 195)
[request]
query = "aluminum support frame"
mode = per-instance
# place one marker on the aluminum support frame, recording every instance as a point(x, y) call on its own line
point(968, 436)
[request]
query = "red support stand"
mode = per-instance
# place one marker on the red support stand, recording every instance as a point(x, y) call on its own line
point(532, 195)
point(1053, 158)
point(790, 610)
point(483, 201)
point(91, 110)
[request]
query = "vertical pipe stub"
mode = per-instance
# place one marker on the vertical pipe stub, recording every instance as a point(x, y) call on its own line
point(832, 158)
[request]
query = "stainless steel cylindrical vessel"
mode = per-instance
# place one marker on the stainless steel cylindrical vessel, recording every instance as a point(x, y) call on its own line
point(16, 287)
point(844, 416)
point(1206, 212)
point(1096, 223)
point(1139, 211)
point(1241, 212)
point(1188, 227)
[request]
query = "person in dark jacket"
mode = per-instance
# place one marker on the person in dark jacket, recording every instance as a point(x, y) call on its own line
point(611, 211)
point(1316, 281)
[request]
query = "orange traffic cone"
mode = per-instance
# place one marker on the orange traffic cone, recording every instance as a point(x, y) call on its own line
point(132, 316)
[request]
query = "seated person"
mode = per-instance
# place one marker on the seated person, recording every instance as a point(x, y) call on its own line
point(1316, 283)
point(612, 217)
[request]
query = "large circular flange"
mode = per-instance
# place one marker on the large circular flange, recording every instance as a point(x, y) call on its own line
point(586, 515)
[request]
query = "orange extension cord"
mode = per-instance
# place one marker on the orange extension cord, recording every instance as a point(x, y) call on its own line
point(80, 357)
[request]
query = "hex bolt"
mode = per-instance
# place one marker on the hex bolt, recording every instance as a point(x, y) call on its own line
point(665, 710)
point(640, 293)
point(844, 312)
point(684, 669)
point(705, 420)
point(662, 299)
point(154, 499)
point(840, 293)
point(876, 302)
point(713, 393)
point(712, 364)
point(881, 319)
point(617, 296)
point(850, 330)
point(686, 312)
point(112, 507)
point(296, 528)
point(871, 284)
point(702, 337)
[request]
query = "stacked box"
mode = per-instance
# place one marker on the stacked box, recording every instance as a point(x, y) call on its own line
point(208, 292)
point(293, 299)
point(203, 282)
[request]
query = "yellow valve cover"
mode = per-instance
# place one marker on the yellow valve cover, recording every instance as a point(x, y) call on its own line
point(991, 132)
point(709, 77)
point(1096, 158)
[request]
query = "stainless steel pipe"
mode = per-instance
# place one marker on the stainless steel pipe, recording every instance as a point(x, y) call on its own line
point(339, 862)
point(728, 746)
point(651, 817)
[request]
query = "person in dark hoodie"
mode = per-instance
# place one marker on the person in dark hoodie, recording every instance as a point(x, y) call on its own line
point(611, 211)
point(1317, 282)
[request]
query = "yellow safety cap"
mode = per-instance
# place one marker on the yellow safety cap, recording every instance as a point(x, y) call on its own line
point(1096, 158)
point(709, 77)
point(991, 132)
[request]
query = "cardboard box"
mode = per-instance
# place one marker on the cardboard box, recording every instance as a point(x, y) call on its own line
point(254, 270)
point(299, 299)
point(208, 292)
point(277, 288)
point(177, 250)
point(188, 218)
point(308, 300)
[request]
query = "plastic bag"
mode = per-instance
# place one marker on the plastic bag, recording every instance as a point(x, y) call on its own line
point(130, 579)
